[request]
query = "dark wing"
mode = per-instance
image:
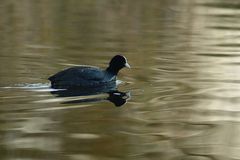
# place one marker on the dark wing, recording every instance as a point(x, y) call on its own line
point(81, 75)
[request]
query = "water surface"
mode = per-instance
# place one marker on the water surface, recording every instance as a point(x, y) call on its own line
point(184, 83)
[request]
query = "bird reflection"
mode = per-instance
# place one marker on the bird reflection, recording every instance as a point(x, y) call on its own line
point(118, 98)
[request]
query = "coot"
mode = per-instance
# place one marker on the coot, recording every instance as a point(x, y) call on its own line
point(89, 76)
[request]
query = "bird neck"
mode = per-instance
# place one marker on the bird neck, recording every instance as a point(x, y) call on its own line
point(112, 70)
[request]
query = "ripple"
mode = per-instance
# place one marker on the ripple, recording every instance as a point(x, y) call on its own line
point(29, 86)
point(231, 45)
point(84, 136)
point(38, 143)
point(224, 55)
point(61, 108)
point(224, 5)
point(83, 156)
point(227, 28)
point(39, 46)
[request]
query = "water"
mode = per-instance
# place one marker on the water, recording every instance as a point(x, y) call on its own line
point(182, 93)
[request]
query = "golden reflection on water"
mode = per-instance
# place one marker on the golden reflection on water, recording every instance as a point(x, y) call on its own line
point(184, 82)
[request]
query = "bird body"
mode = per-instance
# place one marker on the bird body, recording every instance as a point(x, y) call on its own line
point(88, 76)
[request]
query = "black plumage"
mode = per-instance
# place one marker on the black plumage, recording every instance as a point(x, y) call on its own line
point(89, 76)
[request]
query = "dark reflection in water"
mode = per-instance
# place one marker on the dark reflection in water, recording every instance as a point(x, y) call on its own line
point(185, 90)
point(116, 97)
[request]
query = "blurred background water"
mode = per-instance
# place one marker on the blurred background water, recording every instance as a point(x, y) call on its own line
point(184, 81)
